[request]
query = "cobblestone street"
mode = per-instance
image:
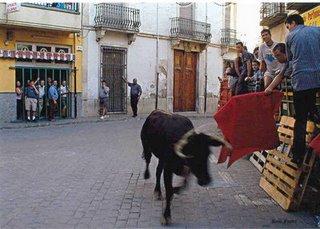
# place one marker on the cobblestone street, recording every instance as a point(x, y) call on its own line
point(90, 175)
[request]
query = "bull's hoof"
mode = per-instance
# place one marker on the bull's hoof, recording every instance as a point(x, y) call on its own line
point(146, 175)
point(165, 221)
point(157, 195)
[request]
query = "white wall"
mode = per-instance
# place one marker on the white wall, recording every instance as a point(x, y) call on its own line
point(148, 16)
point(141, 55)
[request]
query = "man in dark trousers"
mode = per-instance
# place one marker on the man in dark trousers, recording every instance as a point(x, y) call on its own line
point(243, 68)
point(303, 51)
point(135, 93)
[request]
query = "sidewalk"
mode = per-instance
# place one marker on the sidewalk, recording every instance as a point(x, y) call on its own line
point(112, 117)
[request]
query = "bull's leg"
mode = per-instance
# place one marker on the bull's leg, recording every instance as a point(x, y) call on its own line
point(185, 173)
point(147, 156)
point(166, 219)
point(157, 189)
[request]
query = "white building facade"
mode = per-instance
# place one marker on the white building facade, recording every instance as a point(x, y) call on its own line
point(175, 50)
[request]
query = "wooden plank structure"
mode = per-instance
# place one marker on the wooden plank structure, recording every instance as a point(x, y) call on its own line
point(281, 178)
point(258, 159)
point(225, 93)
point(287, 108)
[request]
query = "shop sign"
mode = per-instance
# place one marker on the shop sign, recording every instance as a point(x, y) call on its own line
point(13, 7)
point(32, 55)
point(312, 17)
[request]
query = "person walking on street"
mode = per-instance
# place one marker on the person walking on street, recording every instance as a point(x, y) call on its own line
point(53, 97)
point(19, 94)
point(103, 99)
point(31, 94)
point(302, 53)
point(135, 93)
point(269, 64)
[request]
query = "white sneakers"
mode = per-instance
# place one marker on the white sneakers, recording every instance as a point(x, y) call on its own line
point(104, 117)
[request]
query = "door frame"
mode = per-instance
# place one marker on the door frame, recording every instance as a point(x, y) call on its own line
point(125, 109)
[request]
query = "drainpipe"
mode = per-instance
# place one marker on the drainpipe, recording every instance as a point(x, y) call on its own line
point(157, 59)
point(206, 69)
point(75, 77)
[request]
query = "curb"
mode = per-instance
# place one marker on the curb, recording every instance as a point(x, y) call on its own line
point(9, 126)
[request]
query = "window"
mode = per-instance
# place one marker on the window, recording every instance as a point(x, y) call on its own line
point(24, 47)
point(42, 48)
point(61, 50)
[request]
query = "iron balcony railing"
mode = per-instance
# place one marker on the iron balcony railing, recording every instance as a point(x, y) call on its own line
point(61, 6)
point(190, 29)
point(269, 10)
point(229, 37)
point(118, 17)
point(301, 7)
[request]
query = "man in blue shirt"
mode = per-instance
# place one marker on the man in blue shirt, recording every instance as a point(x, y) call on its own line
point(53, 97)
point(303, 54)
point(135, 93)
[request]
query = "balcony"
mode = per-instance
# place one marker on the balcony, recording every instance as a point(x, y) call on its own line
point(228, 37)
point(272, 14)
point(48, 16)
point(117, 17)
point(301, 7)
point(186, 29)
point(58, 6)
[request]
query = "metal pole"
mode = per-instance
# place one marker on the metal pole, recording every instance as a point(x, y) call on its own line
point(75, 91)
point(206, 69)
point(157, 59)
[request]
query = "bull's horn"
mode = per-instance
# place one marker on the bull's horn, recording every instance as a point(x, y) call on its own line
point(223, 141)
point(181, 143)
point(212, 130)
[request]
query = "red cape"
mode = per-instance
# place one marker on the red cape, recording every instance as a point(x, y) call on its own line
point(247, 122)
point(315, 144)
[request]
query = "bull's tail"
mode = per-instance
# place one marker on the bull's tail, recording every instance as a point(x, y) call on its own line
point(147, 157)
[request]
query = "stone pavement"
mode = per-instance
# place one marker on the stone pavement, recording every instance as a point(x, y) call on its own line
point(90, 175)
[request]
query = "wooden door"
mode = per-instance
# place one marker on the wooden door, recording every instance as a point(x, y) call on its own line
point(113, 68)
point(184, 95)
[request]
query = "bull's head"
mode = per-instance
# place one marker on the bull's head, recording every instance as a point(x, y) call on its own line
point(195, 149)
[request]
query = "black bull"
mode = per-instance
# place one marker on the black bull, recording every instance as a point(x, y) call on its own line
point(173, 140)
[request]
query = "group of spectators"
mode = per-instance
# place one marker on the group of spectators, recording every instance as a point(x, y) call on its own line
point(298, 58)
point(37, 97)
point(253, 72)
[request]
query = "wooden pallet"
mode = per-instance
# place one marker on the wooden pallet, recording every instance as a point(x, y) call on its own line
point(258, 159)
point(281, 178)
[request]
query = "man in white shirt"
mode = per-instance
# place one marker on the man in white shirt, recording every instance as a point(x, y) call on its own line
point(42, 92)
point(269, 65)
point(64, 98)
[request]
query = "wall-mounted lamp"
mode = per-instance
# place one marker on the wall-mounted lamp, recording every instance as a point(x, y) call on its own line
point(9, 37)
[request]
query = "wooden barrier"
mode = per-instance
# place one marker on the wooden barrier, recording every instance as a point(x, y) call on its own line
point(281, 178)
